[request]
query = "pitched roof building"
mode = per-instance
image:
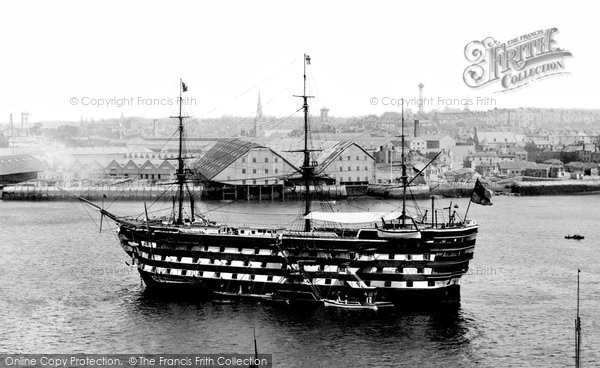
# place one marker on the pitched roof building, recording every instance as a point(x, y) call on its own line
point(347, 162)
point(238, 162)
point(517, 168)
point(18, 168)
point(494, 141)
point(141, 168)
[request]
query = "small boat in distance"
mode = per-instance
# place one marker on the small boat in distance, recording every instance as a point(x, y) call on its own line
point(575, 236)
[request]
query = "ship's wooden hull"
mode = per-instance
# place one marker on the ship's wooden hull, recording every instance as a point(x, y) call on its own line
point(205, 289)
point(404, 271)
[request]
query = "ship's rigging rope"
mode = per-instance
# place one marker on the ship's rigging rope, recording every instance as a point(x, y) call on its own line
point(279, 176)
point(250, 89)
point(318, 195)
point(167, 189)
point(186, 142)
point(271, 125)
point(246, 91)
point(246, 120)
point(118, 195)
point(90, 216)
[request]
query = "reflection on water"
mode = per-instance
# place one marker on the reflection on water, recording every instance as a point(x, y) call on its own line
point(309, 334)
point(66, 288)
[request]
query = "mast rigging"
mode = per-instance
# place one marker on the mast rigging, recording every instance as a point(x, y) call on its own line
point(404, 177)
point(307, 166)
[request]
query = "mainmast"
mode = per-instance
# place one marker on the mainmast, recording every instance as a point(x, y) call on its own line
point(404, 176)
point(307, 167)
point(181, 174)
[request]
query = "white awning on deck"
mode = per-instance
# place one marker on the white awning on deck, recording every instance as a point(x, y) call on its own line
point(352, 217)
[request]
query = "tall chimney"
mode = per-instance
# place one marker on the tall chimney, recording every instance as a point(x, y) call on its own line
point(324, 115)
point(421, 85)
point(416, 128)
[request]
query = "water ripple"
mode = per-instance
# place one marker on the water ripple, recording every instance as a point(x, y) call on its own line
point(65, 289)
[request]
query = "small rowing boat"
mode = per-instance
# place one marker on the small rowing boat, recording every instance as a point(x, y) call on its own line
point(575, 236)
point(356, 305)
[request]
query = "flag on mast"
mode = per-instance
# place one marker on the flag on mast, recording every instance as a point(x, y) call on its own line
point(184, 87)
point(307, 59)
point(481, 195)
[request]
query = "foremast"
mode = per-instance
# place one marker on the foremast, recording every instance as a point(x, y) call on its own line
point(181, 173)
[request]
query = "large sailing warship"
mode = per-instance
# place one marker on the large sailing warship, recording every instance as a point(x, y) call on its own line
point(393, 256)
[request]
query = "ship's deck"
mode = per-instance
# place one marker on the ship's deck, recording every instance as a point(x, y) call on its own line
point(427, 230)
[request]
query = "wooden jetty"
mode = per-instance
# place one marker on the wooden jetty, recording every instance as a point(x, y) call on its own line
point(32, 192)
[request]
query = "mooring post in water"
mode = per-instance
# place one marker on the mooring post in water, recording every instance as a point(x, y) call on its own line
point(578, 329)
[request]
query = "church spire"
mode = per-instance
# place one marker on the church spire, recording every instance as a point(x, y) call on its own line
point(259, 112)
point(259, 116)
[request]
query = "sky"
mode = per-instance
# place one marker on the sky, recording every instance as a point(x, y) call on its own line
point(62, 59)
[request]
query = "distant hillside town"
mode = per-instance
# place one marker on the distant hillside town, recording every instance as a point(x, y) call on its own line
point(497, 144)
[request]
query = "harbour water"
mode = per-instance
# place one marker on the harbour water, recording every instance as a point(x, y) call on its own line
point(65, 288)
